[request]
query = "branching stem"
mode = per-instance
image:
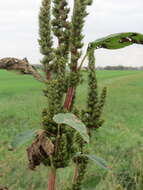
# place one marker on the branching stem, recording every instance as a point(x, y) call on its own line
point(82, 62)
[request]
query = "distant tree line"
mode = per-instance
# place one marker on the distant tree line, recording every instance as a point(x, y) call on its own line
point(118, 67)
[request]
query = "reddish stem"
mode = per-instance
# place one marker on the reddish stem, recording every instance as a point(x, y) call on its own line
point(48, 75)
point(52, 179)
point(75, 174)
point(67, 105)
point(69, 98)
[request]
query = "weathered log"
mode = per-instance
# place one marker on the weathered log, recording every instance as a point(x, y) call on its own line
point(20, 66)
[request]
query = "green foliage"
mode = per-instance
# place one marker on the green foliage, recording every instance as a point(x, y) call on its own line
point(66, 54)
point(61, 27)
point(92, 115)
point(99, 161)
point(117, 41)
point(82, 163)
point(91, 182)
point(23, 138)
point(79, 14)
point(61, 87)
point(20, 108)
point(72, 121)
point(45, 40)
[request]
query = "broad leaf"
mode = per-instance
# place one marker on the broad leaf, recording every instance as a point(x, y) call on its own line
point(23, 138)
point(72, 121)
point(117, 41)
point(99, 161)
point(91, 182)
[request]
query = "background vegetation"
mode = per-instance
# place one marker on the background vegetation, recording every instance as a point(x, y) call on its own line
point(119, 141)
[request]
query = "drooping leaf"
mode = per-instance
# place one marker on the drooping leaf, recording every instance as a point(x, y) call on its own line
point(41, 148)
point(22, 138)
point(117, 41)
point(71, 120)
point(45, 142)
point(99, 161)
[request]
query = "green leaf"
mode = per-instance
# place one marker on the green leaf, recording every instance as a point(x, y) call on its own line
point(23, 138)
point(99, 161)
point(72, 121)
point(91, 182)
point(117, 41)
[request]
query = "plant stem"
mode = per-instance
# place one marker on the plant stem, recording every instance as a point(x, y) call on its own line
point(75, 174)
point(52, 179)
point(48, 76)
point(69, 98)
point(57, 139)
point(67, 105)
point(82, 62)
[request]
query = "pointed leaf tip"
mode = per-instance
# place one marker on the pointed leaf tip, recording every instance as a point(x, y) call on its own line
point(98, 160)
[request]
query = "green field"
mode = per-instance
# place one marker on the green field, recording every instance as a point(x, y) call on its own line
point(119, 141)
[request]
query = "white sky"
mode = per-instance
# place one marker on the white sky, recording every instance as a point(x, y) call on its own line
point(19, 29)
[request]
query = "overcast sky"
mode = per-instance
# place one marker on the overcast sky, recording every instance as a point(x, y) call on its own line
point(19, 29)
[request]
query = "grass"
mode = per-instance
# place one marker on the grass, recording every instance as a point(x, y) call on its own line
point(119, 141)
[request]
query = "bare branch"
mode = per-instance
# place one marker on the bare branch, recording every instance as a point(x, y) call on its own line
point(20, 66)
